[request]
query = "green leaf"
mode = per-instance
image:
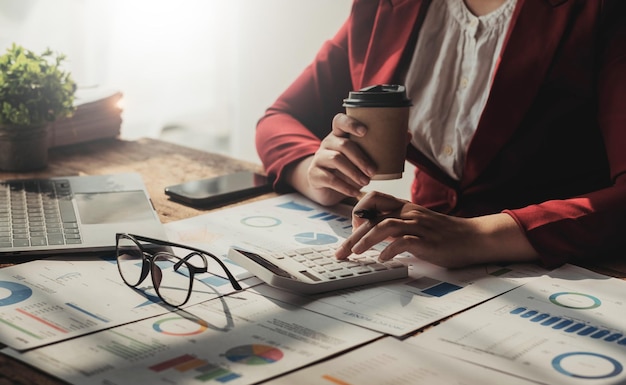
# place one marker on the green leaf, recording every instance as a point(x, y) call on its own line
point(33, 88)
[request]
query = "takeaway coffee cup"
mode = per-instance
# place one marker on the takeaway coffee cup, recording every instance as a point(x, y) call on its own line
point(384, 109)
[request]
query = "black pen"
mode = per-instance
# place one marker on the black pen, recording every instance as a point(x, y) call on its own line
point(368, 214)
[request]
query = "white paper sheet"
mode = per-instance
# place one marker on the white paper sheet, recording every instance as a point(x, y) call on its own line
point(565, 328)
point(392, 362)
point(51, 300)
point(282, 223)
point(238, 339)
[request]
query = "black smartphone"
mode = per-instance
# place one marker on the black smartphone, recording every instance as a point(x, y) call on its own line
point(219, 190)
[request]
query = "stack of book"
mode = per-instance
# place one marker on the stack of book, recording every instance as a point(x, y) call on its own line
point(98, 115)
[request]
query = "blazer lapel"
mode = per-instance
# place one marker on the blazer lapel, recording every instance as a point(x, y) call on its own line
point(389, 45)
point(534, 35)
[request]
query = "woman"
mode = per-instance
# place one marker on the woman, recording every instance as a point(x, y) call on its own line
point(517, 128)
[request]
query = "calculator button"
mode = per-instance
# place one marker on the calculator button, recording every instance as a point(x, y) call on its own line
point(360, 270)
point(378, 266)
point(344, 273)
point(314, 256)
point(393, 264)
point(329, 276)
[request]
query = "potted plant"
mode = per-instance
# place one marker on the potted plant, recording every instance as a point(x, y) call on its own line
point(34, 91)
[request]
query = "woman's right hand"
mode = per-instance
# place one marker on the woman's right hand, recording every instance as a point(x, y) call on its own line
point(339, 168)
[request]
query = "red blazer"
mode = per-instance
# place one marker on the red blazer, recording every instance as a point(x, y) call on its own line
point(550, 148)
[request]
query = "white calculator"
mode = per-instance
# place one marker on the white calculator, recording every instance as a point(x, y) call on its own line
point(314, 270)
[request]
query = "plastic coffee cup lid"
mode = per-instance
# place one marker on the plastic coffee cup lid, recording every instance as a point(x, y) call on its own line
point(382, 95)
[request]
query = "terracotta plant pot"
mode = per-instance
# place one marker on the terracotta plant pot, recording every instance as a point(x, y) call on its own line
point(23, 148)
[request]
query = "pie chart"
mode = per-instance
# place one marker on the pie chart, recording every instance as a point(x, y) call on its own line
point(587, 365)
point(574, 300)
point(13, 292)
point(254, 354)
point(261, 221)
point(180, 326)
point(312, 238)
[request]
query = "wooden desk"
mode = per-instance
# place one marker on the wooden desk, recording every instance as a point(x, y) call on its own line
point(160, 164)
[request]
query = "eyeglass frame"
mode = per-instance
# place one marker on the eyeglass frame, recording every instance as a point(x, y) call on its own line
point(148, 256)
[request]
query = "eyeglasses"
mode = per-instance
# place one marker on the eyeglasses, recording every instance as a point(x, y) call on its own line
point(171, 265)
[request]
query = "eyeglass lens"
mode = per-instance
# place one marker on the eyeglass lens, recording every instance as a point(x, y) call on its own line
point(173, 284)
point(170, 274)
point(130, 261)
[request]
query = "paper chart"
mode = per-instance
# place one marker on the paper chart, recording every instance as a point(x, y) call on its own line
point(564, 328)
point(392, 362)
point(275, 224)
point(51, 300)
point(238, 339)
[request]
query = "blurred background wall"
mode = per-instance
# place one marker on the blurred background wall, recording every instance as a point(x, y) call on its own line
point(196, 72)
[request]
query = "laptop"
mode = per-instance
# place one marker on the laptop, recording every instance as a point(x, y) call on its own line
point(74, 214)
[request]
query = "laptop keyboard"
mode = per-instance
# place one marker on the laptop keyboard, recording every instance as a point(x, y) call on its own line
point(37, 213)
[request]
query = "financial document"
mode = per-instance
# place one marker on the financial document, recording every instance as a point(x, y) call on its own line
point(51, 300)
point(266, 226)
point(392, 362)
point(238, 339)
point(564, 328)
